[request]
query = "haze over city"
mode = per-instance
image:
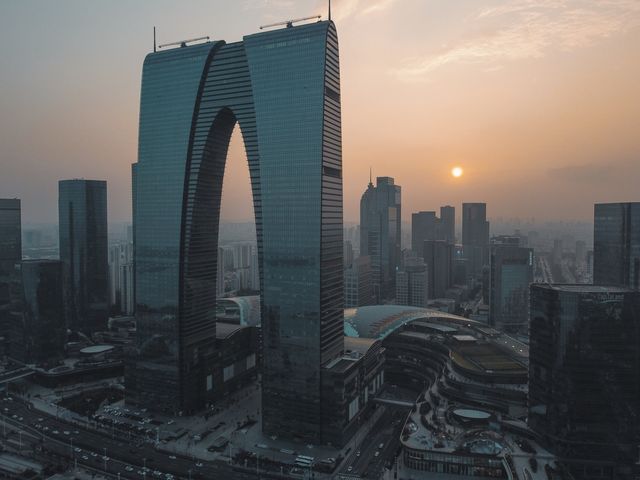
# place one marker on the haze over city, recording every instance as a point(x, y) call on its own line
point(536, 101)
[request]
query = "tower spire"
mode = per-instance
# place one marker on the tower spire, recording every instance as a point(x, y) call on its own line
point(329, 10)
point(370, 177)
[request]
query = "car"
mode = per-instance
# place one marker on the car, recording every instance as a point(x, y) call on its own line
point(129, 468)
point(84, 457)
point(78, 450)
point(41, 419)
point(358, 453)
point(350, 469)
point(377, 454)
point(94, 454)
point(381, 446)
point(171, 422)
point(198, 464)
point(172, 457)
point(67, 432)
point(76, 432)
point(55, 432)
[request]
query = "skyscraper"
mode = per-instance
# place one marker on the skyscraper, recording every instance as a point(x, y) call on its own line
point(10, 234)
point(412, 285)
point(283, 88)
point(616, 244)
point(82, 218)
point(511, 273)
point(358, 286)
point(38, 330)
point(424, 226)
point(584, 377)
point(448, 224)
point(475, 238)
point(438, 256)
point(380, 234)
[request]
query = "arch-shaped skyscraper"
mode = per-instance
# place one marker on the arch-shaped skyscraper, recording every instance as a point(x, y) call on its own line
point(283, 89)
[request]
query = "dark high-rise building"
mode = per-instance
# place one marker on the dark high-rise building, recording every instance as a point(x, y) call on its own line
point(510, 274)
point(38, 331)
point(584, 377)
point(82, 218)
point(424, 226)
point(283, 89)
point(358, 285)
point(438, 256)
point(475, 238)
point(616, 244)
point(380, 234)
point(448, 224)
point(10, 235)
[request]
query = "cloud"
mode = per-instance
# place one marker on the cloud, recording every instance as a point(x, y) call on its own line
point(526, 29)
point(344, 9)
point(619, 171)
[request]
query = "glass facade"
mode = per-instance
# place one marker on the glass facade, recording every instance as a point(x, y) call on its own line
point(82, 218)
point(584, 377)
point(10, 235)
point(510, 276)
point(616, 244)
point(38, 331)
point(282, 88)
point(475, 238)
point(380, 234)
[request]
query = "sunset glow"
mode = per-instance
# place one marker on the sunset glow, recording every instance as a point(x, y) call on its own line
point(457, 172)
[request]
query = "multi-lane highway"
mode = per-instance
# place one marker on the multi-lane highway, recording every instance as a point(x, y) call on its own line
point(113, 456)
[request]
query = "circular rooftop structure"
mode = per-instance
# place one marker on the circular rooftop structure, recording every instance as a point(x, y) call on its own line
point(471, 415)
point(96, 350)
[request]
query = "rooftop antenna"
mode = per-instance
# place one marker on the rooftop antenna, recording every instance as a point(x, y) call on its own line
point(289, 23)
point(183, 43)
point(154, 39)
point(370, 177)
point(329, 10)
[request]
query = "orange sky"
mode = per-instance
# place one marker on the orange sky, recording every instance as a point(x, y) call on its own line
point(539, 101)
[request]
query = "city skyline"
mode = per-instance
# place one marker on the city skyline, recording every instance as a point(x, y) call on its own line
point(460, 76)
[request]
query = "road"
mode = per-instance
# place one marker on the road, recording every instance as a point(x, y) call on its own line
point(385, 432)
point(114, 456)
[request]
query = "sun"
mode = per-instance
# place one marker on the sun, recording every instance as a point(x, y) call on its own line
point(457, 171)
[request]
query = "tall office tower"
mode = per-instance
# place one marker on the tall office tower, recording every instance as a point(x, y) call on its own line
point(447, 224)
point(358, 283)
point(438, 256)
point(558, 249)
point(584, 377)
point(10, 235)
point(348, 253)
point(424, 226)
point(510, 275)
point(283, 88)
point(412, 286)
point(475, 238)
point(38, 331)
point(380, 234)
point(616, 244)
point(120, 256)
point(82, 219)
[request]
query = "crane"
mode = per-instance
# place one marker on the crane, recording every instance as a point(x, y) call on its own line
point(183, 43)
point(289, 23)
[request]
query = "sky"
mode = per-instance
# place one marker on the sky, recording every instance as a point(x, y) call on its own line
point(538, 101)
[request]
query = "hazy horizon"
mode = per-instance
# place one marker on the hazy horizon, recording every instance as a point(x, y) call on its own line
point(536, 101)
